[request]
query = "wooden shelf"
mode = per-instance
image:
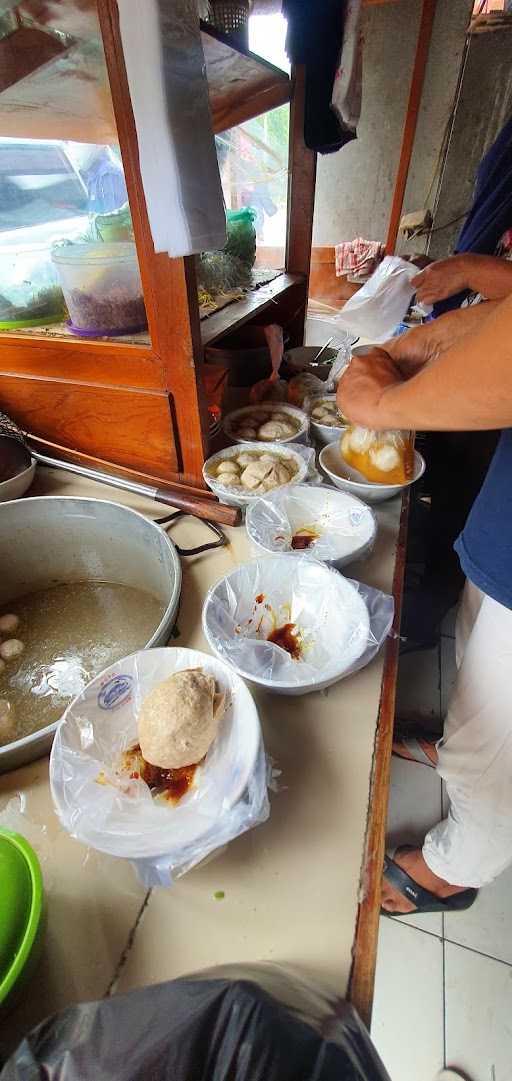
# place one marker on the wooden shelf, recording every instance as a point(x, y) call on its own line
point(241, 85)
point(61, 332)
point(68, 97)
point(238, 313)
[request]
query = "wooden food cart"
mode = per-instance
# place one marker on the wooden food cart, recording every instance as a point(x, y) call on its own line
point(139, 403)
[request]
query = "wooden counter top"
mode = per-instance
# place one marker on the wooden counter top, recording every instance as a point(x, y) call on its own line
point(292, 887)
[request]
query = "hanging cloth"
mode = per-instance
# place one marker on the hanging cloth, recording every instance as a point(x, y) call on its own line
point(315, 39)
point(165, 66)
point(347, 91)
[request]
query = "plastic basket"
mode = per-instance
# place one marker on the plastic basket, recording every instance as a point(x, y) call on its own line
point(230, 16)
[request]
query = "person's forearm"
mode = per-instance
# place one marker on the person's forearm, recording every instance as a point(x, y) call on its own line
point(469, 387)
point(489, 275)
point(455, 324)
point(419, 346)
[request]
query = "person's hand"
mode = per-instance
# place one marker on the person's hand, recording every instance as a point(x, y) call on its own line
point(443, 279)
point(362, 385)
point(412, 350)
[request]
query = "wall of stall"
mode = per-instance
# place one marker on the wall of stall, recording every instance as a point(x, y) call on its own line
point(355, 186)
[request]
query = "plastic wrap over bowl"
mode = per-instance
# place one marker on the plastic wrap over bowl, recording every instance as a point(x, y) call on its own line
point(263, 411)
point(335, 625)
point(340, 527)
point(242, 497)
point(116, 813)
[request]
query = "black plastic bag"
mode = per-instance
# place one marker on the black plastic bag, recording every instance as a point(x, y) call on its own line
point(221, 1025)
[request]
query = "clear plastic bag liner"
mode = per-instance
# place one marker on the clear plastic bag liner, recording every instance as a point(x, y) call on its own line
point(104, 807)
point(340, 623)
point(235, 1023)
point(342, 361)
point(360, 449)
point(308, 453)
point(346, 526)
point(381, 304)
point(280, 450)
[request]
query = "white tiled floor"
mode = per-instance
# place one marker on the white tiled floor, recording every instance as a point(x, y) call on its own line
point(443, 992)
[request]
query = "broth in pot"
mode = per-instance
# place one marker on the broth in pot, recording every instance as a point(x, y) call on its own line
point(69, 633)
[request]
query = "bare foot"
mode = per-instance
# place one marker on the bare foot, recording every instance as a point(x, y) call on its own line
point(411, 861)
point(430, 749)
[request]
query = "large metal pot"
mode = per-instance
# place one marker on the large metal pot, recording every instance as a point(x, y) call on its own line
point(53, 539)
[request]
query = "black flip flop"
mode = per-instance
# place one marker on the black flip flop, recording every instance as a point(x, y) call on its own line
point(410, 728)
point(423, 899)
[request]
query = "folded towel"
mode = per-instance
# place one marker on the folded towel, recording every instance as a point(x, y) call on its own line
point(358, 256)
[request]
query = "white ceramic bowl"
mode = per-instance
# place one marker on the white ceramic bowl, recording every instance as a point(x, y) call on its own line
point(239, 497)
point(102, 722)
point(18, 485)
point(346, 526)
point(326, 609)
point(349, 480)
point(232, 420)
point(365, 350)
point(324, 433)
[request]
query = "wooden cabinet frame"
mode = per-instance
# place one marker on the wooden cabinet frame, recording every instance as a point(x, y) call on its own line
point(142, 407)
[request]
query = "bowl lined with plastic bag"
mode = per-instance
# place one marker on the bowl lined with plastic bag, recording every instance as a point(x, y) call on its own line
point(267, 423)
point(294, 625)
point(103, 806)
point(230, 489)
point(332, 526)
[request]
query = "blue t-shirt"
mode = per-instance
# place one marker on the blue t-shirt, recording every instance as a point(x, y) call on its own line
point(485, 544)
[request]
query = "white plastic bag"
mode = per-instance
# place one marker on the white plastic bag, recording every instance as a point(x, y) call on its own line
point(340, 623)
point(110, 811)
point(380, 305)
point(345, 526)
point(166, 72)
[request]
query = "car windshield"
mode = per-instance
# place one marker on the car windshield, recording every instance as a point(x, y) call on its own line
point(38, 184)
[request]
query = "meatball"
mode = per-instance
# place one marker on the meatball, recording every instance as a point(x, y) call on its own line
point(229, 465)
point(9, 623)
point(7, 722)
point(11, 648)
point(245, 459)
point(276, 429)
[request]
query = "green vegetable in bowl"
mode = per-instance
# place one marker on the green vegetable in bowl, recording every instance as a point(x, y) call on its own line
point(241, 241)
point(230, 268)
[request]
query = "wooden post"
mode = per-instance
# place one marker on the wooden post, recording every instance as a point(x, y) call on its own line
point(411, 119)
point(364, 952)
point(301, 200)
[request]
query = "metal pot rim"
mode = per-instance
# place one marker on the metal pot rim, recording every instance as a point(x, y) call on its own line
point(50, 729)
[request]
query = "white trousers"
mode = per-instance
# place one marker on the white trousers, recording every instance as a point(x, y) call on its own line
point(474, 843)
